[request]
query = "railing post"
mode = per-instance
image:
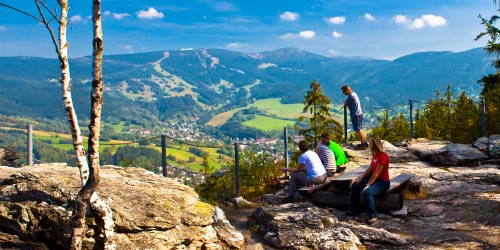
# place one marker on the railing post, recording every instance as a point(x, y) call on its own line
point(483, 118)
point(345, 126)
point(237, 169)
point(286, 151)
point(164, 154)
point(411, 119)
point(30, 145)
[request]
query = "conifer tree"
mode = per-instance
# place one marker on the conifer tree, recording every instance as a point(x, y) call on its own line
point(320, 121)
point(465, 120)
point(491, 83)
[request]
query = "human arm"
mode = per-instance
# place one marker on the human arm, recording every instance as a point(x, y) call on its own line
point(375, 175)
point(300, 168)
point(362, 176)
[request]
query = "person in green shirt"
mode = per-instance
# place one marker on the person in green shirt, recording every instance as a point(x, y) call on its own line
point(338, 152)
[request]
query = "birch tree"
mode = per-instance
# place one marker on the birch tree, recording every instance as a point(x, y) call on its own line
point(89, 175)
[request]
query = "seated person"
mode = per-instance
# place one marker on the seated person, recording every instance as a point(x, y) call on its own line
point(309, 170)
point(374, 181)
point(340, 156)
point(326, 154)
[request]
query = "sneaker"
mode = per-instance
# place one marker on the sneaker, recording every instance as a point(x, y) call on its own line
point(371, 221)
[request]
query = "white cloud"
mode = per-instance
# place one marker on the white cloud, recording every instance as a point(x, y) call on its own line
point(369, 17)
point(107, 13)
point(120, 16)
point(289, 16)
point(434, 21)
point(127, 47)
point(417, 24)
point(151, 13)
point(307, 34)
point(337, 34)
point(401, 19)
point(421, 22)
point(288, 36)
point(266, 65)
point(2, 28)
point(76, 19)
point(187, 49)
point(236, 45)
point(336, 20)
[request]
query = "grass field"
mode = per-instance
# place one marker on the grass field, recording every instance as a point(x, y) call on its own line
point(271, 106)
point(266, 123)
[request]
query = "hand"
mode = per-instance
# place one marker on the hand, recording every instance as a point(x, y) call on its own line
point(366, 187)
point(355, 180)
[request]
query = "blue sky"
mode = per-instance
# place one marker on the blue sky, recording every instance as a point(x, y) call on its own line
point(384, 29)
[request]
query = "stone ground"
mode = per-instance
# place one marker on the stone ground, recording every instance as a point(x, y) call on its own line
point(459, 210)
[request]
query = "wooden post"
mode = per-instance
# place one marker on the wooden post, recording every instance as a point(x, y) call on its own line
point(164, 154)
point(483, 118)
point(411, 119)
point(30, 145)
point(345, 126)
point(286, 152)
point(237, 169)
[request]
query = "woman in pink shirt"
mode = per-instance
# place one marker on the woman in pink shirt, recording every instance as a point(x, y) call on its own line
point(374, 181)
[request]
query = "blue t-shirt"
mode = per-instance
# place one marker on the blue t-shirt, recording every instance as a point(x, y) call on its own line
point(354, 104)
point(313, 165)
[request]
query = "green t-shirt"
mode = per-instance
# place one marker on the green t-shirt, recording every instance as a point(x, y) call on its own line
point(338, 151)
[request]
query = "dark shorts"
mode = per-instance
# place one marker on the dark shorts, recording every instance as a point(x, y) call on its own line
point(357, 122)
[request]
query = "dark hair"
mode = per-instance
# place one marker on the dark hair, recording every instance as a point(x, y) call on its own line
point(346, 89)
point(303, 146)
point(328, 137)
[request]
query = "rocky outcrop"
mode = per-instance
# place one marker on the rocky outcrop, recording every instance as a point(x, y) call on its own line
point(150, 212)
point(9, 156)
point(305, 226)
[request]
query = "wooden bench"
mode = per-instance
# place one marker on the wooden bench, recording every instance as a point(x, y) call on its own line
point(339, 177)
point(388, 201)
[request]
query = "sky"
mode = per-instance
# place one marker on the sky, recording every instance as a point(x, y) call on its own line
point(382, 29)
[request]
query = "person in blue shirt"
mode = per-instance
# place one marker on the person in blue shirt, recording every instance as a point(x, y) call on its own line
point(356, 113)
point(309, 170)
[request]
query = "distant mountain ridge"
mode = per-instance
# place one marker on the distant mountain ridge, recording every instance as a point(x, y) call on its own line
point(193, 83)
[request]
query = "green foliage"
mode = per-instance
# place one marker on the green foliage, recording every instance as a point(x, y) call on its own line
point(395, 129)
point(258, 172)
point(317, 104)
point(491, 95)
point(131, 156)
point(491, 82)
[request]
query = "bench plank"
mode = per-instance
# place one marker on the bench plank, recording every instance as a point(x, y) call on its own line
point(348, 176)
point(309, 190)
point(400, 180)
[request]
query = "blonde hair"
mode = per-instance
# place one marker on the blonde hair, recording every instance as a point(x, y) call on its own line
point(346, 89)
point(376, 145)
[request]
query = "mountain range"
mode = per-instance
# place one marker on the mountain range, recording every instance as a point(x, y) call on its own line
point(201, 83)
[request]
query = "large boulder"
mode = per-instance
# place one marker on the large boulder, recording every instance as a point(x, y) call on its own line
point(150, 212)
point(305, 226)
point(9, 156)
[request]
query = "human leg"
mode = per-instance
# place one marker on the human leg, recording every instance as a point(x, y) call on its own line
point(297, 180)
point(356, 189)
point(378, 187)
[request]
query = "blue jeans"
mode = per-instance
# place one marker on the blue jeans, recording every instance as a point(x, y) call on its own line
point(378, 187)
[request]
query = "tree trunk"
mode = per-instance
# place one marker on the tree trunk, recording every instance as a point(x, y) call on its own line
point(87, 193)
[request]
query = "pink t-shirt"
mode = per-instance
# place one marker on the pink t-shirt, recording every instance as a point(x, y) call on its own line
point(381, 158)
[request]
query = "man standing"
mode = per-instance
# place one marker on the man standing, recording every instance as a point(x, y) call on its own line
point(352, 102)
point(309, 170)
